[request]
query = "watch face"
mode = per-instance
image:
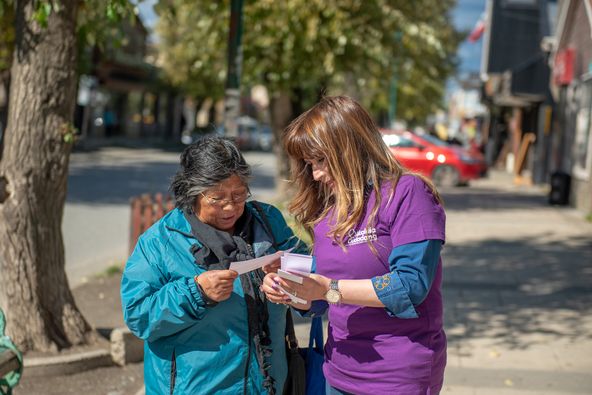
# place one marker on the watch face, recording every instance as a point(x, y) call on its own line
point(333, 296)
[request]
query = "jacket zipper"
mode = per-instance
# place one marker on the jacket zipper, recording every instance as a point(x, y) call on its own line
point(173, 372)
point(245, 382)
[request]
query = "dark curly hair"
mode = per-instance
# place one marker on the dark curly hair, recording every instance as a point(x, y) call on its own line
point(204, 164)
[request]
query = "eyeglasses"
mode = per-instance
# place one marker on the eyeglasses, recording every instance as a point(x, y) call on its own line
point(236, 199)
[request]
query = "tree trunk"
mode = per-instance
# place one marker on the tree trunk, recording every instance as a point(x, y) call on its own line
point(281, 114)
point(34, 291)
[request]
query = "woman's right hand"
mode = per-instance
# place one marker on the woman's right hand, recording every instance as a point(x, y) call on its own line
point(217, 284)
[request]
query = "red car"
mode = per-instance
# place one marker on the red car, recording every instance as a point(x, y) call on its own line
point(445, 164)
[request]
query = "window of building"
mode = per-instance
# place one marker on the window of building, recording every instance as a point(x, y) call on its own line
point(582, 152)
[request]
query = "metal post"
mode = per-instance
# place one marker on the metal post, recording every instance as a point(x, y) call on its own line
point(392, 113)
point(232, 94)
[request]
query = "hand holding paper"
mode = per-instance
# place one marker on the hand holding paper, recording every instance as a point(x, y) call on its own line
point(294, 267)
point(242, 267)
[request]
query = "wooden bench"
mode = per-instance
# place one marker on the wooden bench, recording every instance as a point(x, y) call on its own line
point(145, 211)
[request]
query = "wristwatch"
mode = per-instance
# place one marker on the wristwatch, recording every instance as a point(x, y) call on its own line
point(333, 295)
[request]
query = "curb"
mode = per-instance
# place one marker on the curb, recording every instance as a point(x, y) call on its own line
point(67, 364)
point(124, 348)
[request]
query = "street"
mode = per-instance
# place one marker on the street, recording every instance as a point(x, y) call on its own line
point(517, 271)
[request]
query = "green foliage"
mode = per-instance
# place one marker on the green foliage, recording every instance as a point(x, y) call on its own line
point(113, 270)
point(99, 23)
point(69, 133)
point(7, 34)
point(349, 46)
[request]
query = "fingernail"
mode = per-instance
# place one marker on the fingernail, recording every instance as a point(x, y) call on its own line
point(275, 287)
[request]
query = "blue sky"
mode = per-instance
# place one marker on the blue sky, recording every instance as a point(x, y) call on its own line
point(465, 15)
point(147, 12)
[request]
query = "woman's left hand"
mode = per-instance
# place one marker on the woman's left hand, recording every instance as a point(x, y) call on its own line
point(313, 287)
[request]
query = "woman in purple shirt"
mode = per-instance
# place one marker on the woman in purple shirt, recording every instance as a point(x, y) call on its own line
point(377, 230)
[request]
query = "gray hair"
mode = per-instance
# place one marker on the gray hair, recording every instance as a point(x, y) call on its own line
point(205, 164)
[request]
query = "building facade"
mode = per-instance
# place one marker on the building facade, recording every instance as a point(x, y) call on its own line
point(571, 86)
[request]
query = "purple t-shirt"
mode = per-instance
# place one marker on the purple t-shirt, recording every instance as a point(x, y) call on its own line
point(367, 351)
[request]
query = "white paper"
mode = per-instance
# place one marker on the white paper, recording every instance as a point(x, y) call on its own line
point(289, 276)
point(296, 263)
point(253, 264)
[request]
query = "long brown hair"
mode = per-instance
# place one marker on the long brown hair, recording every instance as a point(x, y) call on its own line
point(341, 132)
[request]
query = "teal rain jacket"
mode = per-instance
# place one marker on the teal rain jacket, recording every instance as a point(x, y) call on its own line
point(191, 349)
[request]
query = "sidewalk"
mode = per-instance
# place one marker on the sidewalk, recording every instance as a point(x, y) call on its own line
point(518, 300)
point(517, 292)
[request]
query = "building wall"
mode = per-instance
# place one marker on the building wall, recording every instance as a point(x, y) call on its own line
point(581, 195)
point(577, 36)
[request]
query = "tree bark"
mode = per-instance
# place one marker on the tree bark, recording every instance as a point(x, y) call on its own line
point(34, 290)
point(281, 114)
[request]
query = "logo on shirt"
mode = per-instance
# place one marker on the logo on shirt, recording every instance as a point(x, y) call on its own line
point(382, 282)
point(361, 236)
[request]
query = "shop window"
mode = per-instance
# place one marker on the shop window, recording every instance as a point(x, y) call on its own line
point(582, 148)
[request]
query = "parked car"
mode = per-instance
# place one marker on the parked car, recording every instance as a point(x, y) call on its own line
point(445, 164)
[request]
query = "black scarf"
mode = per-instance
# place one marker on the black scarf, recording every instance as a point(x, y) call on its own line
point(217, 251)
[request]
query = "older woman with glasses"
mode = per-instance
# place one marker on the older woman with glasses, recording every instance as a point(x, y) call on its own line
point(208, 330)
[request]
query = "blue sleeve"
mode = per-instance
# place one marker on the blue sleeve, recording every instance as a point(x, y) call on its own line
point(413, 268)
point(317, 307)
point(154, 307)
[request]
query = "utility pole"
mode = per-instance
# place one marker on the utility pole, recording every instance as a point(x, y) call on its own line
point(392, 113)
point(232, 92)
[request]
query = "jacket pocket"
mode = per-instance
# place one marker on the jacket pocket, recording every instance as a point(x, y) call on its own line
point(173, 372)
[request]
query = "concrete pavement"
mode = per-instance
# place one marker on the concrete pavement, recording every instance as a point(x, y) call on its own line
point(517, 275)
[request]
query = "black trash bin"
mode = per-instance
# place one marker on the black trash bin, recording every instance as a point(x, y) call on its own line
point(560, 183)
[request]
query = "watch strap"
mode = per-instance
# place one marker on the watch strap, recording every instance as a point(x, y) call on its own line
point(334, 284)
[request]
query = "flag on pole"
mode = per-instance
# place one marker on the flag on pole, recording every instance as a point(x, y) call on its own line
point(478, 30)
